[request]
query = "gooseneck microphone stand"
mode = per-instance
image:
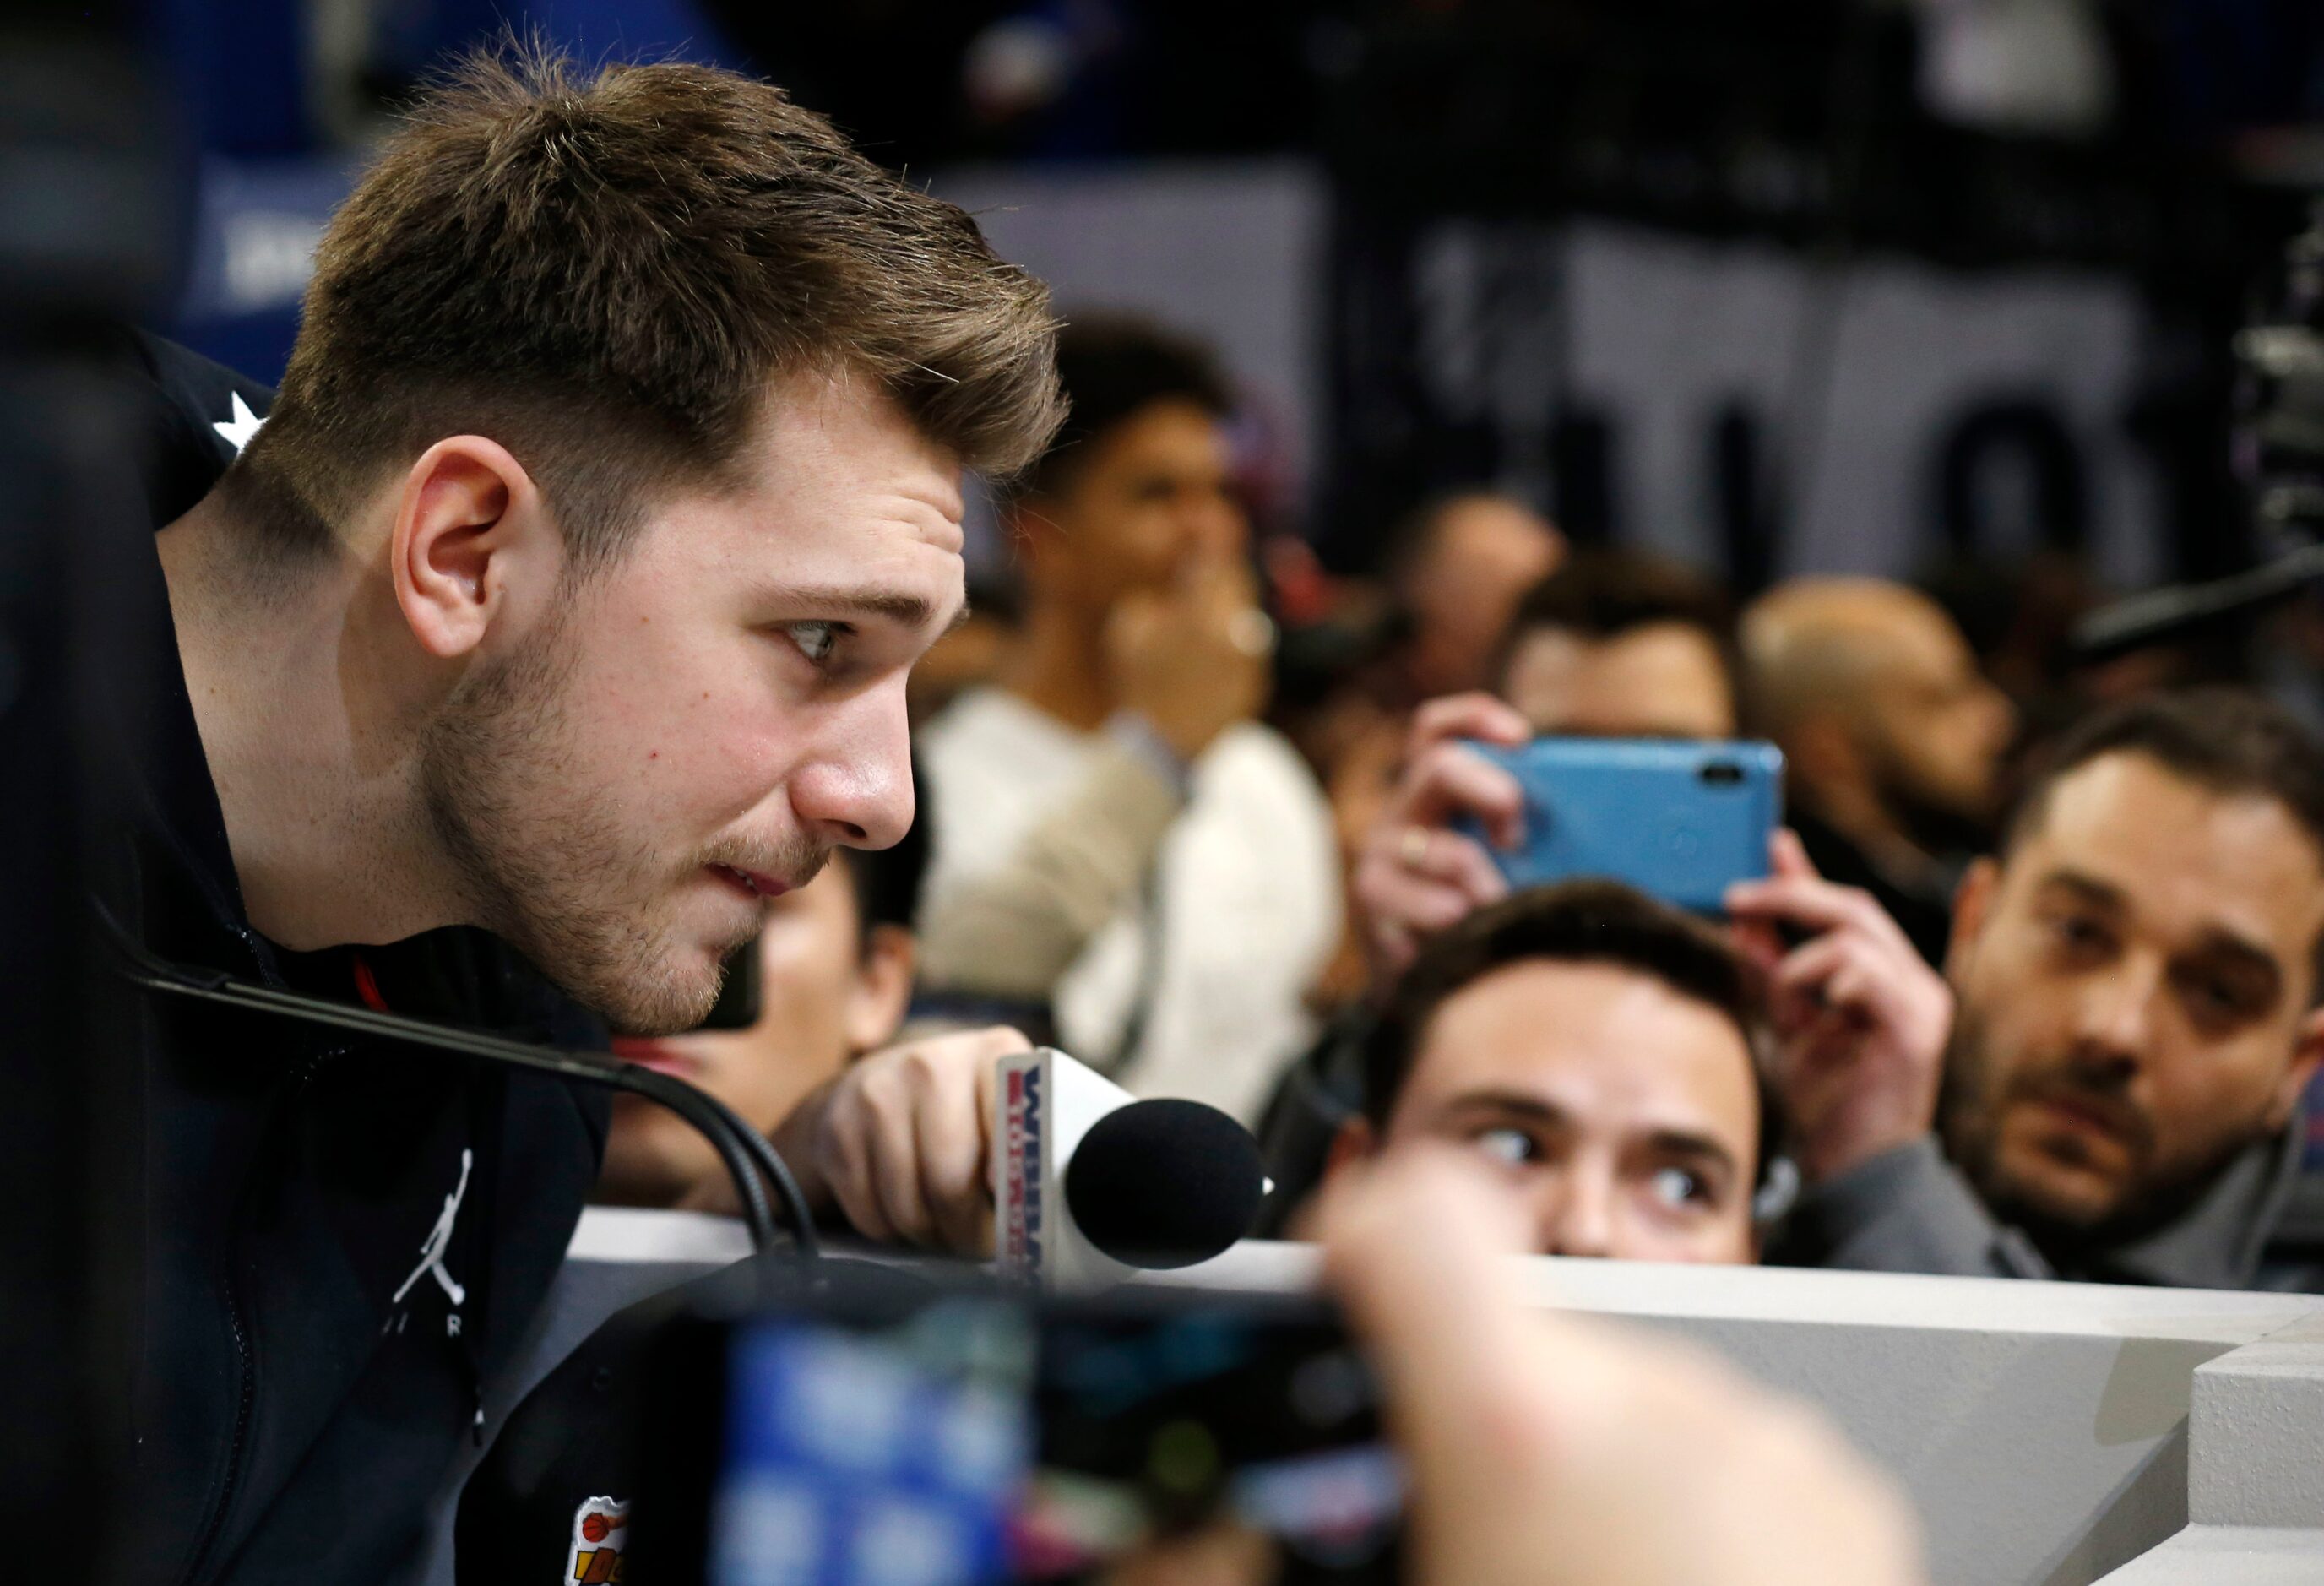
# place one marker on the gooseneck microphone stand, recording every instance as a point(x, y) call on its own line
point(747, 1154)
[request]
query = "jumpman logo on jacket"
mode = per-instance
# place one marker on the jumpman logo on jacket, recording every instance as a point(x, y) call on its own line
point(440, 1240)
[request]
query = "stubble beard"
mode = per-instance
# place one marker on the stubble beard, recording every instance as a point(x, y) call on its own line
point(546, 867)
point(1970, 1112)
point(1966, 1120)
point(1936, 823)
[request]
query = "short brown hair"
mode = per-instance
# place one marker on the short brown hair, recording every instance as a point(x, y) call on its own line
point(1114, 366)
point(2230, 740)
point(1572, 922)
point(604, 270)
point(1600, 593)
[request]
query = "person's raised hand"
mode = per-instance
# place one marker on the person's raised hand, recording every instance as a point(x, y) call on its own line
point(1861, 1021)
point(1193, 658)
point(1414, 875)
point(1555, 1450)
point(899, 1141)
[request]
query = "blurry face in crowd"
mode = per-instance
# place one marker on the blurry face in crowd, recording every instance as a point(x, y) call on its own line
point(827, 992)
point(1483, 554)
point(1657, 680)
point(2135, 985)
point(1622, 1115)
point(637, 759)
point(1155, 493)
point(1936, 730)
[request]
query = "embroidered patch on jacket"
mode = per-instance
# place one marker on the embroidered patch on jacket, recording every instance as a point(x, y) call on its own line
point(599, 1538)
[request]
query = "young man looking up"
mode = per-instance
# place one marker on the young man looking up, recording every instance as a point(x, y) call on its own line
point(566, 593)
point(2137, 985)
point(1599, 1049)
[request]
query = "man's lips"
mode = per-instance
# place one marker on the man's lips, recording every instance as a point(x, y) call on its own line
point(755, 883)
point(2089, 1114)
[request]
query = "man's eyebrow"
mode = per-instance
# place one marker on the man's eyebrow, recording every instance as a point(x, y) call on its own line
point(1681, 1142)
point(2216, 938)
point(1509, 1104)
point(2087, 886)
point(912, 610)
point(2243, 950)
point(1518, 1104)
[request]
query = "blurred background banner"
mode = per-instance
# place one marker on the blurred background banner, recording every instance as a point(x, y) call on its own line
point(1230, 251)
point(1742, 405)
point(1798, 285)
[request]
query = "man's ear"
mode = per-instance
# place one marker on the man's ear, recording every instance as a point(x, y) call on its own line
point(882, 992)
point(1972, 904)
point(2306, 1051)
point(468, 515)
point(1354, 1141)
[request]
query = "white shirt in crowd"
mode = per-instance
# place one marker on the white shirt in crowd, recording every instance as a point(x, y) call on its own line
point(1245, 889)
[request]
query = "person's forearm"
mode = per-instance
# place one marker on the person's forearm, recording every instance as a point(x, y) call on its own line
point(1014, 931)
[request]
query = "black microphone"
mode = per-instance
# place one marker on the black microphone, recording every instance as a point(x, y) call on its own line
point(1165, 1183)
point(1090, 1184)
point(746, 1153)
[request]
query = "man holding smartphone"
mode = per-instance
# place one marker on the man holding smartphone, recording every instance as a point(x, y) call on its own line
point(2105, 1085)
point(2133, 982)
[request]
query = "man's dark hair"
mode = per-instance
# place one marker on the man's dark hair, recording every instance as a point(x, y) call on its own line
point(1411, 537)
point(1112, 367)
point(604, 269)
point(1601, 591)
point(2230, 740)
point(1572, 922)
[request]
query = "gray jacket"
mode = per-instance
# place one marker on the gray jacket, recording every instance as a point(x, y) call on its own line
point(1909, 1210)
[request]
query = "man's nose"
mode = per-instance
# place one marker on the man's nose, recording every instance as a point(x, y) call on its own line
point(2114, 1022)
point(2000, 721)
point(1578, 1213)
point(857, 791)
point(1214, 526)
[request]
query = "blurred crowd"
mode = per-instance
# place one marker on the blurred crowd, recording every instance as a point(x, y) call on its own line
point(2029, 988)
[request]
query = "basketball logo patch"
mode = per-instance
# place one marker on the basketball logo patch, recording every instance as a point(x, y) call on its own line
point(599, 1534)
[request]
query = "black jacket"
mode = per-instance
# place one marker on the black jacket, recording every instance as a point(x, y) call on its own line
point(344, 1238)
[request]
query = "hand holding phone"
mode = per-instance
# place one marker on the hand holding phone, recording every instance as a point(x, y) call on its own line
point(1416, 875)
point(1861, 1021)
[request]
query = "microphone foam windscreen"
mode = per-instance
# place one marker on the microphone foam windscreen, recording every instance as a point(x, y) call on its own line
point(1165, 1183)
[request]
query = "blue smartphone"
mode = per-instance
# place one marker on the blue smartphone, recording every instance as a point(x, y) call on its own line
point(1681, 820)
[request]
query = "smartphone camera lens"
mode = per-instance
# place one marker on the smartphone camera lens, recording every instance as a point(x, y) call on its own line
point(1721, 773)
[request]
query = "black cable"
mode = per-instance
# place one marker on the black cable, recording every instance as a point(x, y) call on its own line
point(740, 1147)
